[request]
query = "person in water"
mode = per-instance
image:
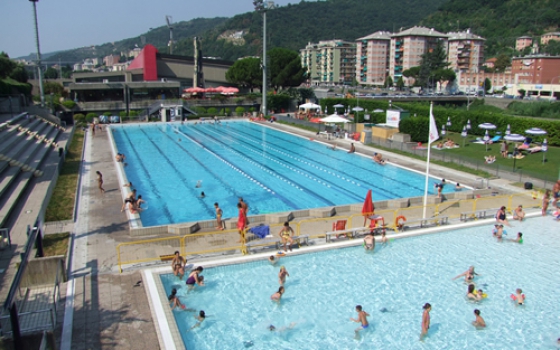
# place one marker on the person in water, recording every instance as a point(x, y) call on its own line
point(282, 275)
point(200, 318)
point(501, 216)
point(469, 274)
point(195, 278)
point(471, 293)
point(519, 238)
point(278, 295)
point(362, 318)
point(479, 321)
point(425, 320)
point(369, 241)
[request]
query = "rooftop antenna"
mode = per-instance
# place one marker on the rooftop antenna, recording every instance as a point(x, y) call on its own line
point(169, 21)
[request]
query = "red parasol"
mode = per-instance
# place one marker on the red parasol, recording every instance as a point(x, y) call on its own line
point(368, 208)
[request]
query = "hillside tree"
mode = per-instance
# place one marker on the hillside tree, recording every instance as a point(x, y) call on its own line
point(51, 73)
point(246, 72)
point(285, 68)
point(6, 65)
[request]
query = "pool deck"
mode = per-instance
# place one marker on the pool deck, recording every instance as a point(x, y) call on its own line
point(109, 310)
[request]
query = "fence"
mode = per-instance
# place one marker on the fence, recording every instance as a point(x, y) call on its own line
point(229, 241)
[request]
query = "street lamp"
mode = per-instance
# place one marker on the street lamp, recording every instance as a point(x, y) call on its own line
point(40, 74)
point(260, 6)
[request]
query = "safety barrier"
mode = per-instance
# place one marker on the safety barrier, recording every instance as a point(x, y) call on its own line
point(228, 241)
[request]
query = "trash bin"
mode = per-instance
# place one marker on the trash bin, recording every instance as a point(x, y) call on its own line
point(367, 136)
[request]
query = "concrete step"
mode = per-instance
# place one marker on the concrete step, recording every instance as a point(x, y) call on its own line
point(13, 155)
point(34, 162)
point(7, 178)
point(12, 136)
point(12, 195)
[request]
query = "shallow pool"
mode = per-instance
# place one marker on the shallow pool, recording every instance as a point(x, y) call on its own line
point(324, 288)
point(272, 170)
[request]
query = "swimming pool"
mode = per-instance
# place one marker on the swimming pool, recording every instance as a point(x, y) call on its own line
point(272, 170)
point(323, 289)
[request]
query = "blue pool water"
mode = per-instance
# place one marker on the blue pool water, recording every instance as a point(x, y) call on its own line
point(323, 289)
point(273, 171)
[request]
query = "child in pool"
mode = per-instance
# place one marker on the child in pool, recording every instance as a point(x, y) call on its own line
point(282, 275)
point(479, 321)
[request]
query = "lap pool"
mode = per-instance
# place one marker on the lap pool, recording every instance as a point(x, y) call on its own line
point(324, 287)
point(272, 170)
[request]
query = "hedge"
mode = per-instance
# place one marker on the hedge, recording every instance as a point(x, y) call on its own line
point(212, 110)
point(90, 116)
point(239, 111)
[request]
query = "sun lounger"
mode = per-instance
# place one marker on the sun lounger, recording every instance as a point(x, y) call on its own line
point(535, 149)
point(524, 146)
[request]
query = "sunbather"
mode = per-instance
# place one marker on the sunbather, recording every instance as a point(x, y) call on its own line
point(489, 159)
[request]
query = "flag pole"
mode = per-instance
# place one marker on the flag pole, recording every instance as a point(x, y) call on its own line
point(431, 137)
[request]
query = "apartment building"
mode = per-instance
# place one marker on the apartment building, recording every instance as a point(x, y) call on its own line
point(523, 42)
point(372, 58)
point(111, 60)
point(330, 61)
point(545, 38)
point(408, 46)
point(465, 51)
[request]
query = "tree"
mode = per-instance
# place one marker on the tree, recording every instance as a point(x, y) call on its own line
point(388, 82)
point(412, 72)
point(19, 73)
point(6, 65)
point(502, 62)
point(521, 92)
point(246, 72)
point(487, 85)
point(54, 88)
point(285, 68)
point(51, 73)
point(434, 61)
point(442, 75)
point(400, 83)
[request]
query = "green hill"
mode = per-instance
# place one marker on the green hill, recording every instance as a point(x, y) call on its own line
point(293, 26)
point(499, 21)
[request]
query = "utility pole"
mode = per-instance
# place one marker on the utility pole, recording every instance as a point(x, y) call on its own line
point(40, 74)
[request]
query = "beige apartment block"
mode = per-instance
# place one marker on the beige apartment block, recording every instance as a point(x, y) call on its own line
point(408, 46)
point(330, 62)
point(545, 38)
point(465, 51)
point(523, 42)
point(372, 58)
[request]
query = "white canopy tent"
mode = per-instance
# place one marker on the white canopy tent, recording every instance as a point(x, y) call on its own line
point(333, 118)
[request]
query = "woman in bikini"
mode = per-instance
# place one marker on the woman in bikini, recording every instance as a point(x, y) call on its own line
point(278, 295)
point(545, 201)
point(425, 320)
point(219, 214)
point(469, 274)
point(286, 234)
point(100, 182)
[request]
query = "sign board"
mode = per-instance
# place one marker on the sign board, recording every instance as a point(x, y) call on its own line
point(393, 118)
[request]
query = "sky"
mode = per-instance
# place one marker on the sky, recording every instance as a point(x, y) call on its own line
point(68, 24)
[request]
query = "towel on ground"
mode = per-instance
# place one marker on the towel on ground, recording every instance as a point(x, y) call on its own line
point(261, 231)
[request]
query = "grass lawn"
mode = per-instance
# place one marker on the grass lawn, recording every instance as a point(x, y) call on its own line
point(532, 164)
point(56, 244)
point(61, 205)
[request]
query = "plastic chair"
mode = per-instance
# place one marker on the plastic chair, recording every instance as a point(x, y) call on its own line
point(339, 225)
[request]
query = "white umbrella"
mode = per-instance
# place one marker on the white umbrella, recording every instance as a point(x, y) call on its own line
point(514, 137)
point(357, 109)
point(448, 121)
point(468, 124)
point(536, 131)
point(508, 130)
point(333, 118)
point(544, 148)
point(487, 126)
point(309, 106)
point(378, 111)
point(443, 129)
point(338, 106)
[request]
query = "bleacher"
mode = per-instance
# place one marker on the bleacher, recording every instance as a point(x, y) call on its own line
point(25, 142)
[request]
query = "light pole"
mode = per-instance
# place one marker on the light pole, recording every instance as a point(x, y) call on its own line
point(41, 91)
point(261, 7)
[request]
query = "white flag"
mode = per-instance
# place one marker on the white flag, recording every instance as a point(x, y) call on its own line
point(433, 128)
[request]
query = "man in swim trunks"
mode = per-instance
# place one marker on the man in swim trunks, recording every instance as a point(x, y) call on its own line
point(362, 318)
point(286, 234)
point(219, 216)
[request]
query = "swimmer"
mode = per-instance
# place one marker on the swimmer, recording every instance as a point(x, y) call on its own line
point(219, 213)
point(518, 213)
point(501, 216)
point(139, 202)
point(362, 318)
point(202, 194)
point(278, 295)
point(384, 239)
point(519, 238)
point(479, 321)
point(241, 222)
point(281, 329)
point(425, 320)
point(272, 260)
point(195, 278)
point(129, 184)
point(519, 297)
point(198, 184)
point(471, 295)
point(100, 182)
point(369, 241)
point(200, 318)
point(352, 148)
point(174, 299)
point(178, 264)
point(286, 234)
point(282, 275)
point(545, 202)
point(498, 231)
point(458, 187)
point(469, 274)
point(130, 196)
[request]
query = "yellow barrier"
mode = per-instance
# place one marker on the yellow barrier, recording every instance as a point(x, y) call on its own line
point(161, 249)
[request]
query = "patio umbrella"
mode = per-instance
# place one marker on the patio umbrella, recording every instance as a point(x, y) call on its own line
point(443, 129)
point(334, 118)
point(368, 207)
point(358, 109)
point(338, 106)
point(536, 131)
point(468, 124)
point(515, 138)
point(464, 134)
point(448, 121)
point(487, 126)
point(378, 111)
point(544, 148)
point(309, 105)
point(508, 130)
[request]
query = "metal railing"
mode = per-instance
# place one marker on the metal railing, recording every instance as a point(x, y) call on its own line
point(229, 241)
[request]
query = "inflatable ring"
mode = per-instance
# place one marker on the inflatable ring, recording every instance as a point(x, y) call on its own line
point(280, 253)
point(398, 222)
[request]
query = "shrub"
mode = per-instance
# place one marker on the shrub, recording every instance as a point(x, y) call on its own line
point(227, 111)
point(69, 104)
point(134, 113)
point(239, 111)
point(212, 110)
point(90, 116)
point(122, 114)
point(108, 114)
point(79, 119)
point(200, 110)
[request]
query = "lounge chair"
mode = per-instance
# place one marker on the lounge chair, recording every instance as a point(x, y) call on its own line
point(495, 139)
point(535, 149)
point(525, 146)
